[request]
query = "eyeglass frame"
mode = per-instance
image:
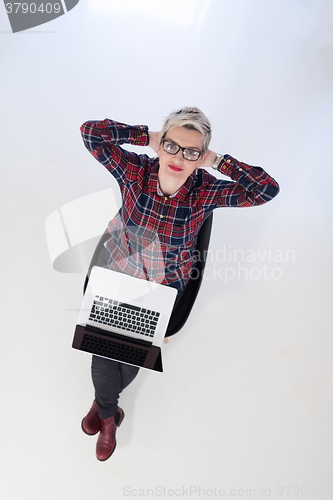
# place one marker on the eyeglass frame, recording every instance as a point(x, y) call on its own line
point(163, 140)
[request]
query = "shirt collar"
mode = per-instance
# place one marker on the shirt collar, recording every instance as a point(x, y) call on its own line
point(162, 194)
point(180, 195)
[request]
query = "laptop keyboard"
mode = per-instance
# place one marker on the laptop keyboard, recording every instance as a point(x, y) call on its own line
point(125, 316)
point(110, 349)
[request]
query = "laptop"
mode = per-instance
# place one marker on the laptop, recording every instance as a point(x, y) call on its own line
point(124, 318)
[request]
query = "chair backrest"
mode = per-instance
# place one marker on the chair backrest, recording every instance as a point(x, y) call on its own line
point(183, 308)
point(94, 259)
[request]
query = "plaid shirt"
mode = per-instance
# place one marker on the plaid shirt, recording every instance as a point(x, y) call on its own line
point(154, 236)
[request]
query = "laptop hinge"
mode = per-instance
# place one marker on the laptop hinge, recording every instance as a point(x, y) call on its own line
point(119, 336)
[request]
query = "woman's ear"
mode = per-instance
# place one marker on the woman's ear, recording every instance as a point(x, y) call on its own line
point(208, 158)
point(206, 155)
point(203, 160)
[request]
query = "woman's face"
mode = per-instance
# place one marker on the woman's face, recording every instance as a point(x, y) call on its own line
point(173, 167)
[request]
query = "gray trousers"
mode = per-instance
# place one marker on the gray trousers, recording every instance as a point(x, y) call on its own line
point(111, 377)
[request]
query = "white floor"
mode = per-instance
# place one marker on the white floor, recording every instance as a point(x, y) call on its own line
point(245, 405)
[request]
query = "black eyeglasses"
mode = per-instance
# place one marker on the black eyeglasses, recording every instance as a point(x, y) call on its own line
point(188, 154)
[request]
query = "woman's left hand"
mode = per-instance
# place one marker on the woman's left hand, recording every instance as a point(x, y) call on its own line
point(209, 158)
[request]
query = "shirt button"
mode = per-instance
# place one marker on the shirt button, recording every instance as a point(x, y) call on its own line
point(161, 216)
point(165, 197)
point(240, 169)
point(229, 161)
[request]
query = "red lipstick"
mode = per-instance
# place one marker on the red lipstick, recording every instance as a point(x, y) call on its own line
point(174, 168)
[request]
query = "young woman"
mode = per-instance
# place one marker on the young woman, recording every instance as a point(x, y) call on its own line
point(167, 197)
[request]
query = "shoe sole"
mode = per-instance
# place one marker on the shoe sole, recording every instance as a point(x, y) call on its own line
point(121, 418)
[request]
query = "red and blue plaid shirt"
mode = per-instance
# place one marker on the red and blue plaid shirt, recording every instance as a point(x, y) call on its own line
point(154, 236)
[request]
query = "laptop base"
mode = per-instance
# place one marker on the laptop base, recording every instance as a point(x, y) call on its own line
point(111, 346)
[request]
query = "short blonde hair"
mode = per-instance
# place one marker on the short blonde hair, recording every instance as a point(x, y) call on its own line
point(190, 118)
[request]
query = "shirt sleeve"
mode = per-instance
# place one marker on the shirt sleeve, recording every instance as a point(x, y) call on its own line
point(249, 186)
point(104, 138)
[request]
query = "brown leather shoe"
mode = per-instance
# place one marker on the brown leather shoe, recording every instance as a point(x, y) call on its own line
point(91, 424)
point(106, 442)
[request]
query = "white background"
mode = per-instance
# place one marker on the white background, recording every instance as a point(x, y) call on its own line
point(245, 401)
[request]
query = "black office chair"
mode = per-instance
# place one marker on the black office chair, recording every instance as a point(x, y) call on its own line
point(182, 310)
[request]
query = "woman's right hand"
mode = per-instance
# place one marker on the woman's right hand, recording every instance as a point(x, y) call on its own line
point(153, 141)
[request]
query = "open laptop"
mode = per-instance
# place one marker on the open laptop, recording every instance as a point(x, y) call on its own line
point(124, 318)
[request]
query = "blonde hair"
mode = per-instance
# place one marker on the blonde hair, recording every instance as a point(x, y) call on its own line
point(190, 118)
